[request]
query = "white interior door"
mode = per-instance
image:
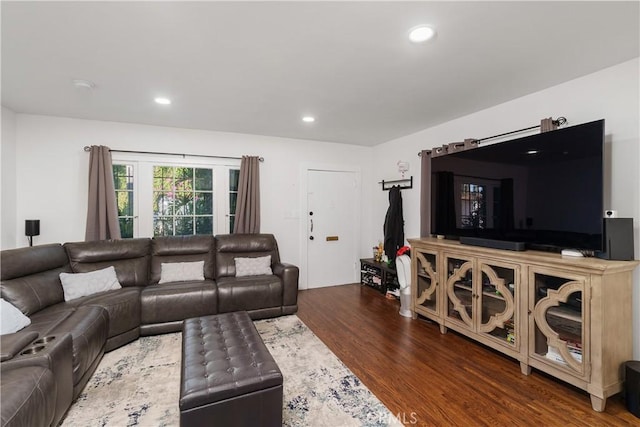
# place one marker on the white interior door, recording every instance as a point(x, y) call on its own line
point(332, 227)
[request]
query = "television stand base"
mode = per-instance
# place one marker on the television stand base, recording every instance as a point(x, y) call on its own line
point(491, 243)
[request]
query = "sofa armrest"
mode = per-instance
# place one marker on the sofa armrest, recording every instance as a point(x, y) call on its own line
point(12, 344)
point(289, 274)
point(57, 356)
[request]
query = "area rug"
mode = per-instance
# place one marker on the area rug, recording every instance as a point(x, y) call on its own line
point(139, 384)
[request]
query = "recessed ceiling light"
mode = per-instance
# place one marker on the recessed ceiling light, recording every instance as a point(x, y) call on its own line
point(421, 34)
point(162, 101)
point(533, 152)
point(308, 119)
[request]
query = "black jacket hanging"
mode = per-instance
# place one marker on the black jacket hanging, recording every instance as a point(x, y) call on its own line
point(394, 224)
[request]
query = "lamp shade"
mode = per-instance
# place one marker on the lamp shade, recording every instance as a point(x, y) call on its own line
point(32, 227)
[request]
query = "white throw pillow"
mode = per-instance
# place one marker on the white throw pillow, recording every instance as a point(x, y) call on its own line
point(82, 284)
point(11, 319)
point(253, 266)
point(181, 271)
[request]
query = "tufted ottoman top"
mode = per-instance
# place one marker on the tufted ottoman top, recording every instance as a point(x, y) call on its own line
point(223, 357)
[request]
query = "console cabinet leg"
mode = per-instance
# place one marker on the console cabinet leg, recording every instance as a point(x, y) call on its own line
point(443, 329)
point(598, 403)
point(525, 369)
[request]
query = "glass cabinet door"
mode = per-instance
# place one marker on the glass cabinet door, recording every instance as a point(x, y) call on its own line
point(559, 312)
point(426, 295)
point(459, 288)
point(496, 302)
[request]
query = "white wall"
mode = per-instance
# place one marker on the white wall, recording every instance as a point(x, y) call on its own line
point(8, 229)
point(612, 94)
point(52, 171)
point(51, 167)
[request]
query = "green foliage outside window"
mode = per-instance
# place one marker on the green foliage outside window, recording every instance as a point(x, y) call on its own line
point(123, 183)
point(182, 201)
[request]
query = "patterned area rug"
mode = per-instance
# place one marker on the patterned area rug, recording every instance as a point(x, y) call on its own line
point(139, 384)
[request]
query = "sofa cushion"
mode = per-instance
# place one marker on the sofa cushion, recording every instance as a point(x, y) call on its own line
point(29, 276)
point(257, 266)
point(173, 249)
point(130, 258)
point(178, 301)
point(231, 246)
point(88, 326)
point(76, 285)
point(249, 293)
point(11, 319)
point(181, 271)
point(123, 306)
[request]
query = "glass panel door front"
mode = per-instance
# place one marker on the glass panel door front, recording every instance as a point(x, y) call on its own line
point(559, 314)
point(460, 295)
point(497, 302)
point(426, 282)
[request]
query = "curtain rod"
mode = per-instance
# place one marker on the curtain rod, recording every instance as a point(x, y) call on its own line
point(87, 148)
point(558, 122)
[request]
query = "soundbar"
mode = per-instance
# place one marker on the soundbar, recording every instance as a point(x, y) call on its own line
point(490, 243)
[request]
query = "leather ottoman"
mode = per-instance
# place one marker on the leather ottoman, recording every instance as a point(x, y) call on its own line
point(228, 376)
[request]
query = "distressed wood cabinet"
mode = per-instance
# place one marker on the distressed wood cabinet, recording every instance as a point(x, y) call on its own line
point(569, 317)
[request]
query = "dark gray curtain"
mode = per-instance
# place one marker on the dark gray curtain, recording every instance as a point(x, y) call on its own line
point(248, 205)
point(102, 209)
point(445, 203)
point(425, 193)
point(547, 125)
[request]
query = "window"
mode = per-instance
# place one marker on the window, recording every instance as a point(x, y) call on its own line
point(473, 206)
point(159, 198)
point(123, 183)
point(182, 201)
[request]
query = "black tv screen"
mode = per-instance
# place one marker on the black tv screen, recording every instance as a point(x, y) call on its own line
point(544, 190)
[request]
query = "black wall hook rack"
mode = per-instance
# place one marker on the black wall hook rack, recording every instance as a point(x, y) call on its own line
point(404, 183)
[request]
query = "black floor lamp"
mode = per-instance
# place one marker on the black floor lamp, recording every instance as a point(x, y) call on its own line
point(31, 228)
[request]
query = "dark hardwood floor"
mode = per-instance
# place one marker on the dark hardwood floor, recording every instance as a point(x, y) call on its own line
point(432, 379)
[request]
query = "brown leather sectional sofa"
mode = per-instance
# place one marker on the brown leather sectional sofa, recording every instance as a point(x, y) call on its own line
point(46, 365)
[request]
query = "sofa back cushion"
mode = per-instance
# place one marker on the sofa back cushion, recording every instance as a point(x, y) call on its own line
point(173, 249)
point(130, 258)
point(30, 280)
point(231, 246)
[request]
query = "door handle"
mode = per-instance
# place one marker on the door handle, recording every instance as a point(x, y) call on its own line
point(312, 225)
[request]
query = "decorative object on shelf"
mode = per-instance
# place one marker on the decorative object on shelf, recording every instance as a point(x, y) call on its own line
point(403, 167)
point(31, 228)
point(378, 251)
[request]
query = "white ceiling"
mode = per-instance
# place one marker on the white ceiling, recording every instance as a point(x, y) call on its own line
point(257, 67)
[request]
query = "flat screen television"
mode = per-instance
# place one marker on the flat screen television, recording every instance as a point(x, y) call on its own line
point(543, 190)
